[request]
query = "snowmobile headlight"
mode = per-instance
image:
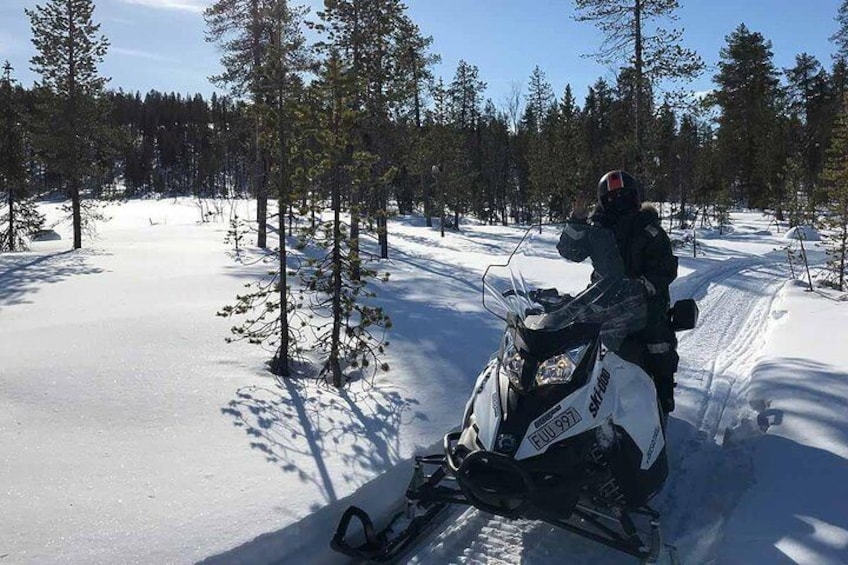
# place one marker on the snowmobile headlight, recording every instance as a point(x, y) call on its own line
point(559, 370)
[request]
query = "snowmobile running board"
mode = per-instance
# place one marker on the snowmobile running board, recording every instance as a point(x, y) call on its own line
point(426, 500)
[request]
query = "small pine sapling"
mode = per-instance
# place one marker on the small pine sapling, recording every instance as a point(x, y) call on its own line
point(236, 234)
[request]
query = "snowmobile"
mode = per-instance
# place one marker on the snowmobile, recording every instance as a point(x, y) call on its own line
point(558, 427)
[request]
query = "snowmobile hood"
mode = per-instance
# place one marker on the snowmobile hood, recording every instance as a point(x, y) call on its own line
point(540, 344)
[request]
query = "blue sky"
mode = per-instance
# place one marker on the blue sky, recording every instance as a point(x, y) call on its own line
point(159, 44)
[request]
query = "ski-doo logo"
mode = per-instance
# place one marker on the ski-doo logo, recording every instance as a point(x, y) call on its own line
point(496, 406)
point(546, 417)
point(597, 397)
point(552, 430)
point(653, 444)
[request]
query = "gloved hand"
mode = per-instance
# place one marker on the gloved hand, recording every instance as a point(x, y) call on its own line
point(649, 286)
point(579, 208)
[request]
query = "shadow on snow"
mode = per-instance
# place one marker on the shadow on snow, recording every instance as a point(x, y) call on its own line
point(22, 274)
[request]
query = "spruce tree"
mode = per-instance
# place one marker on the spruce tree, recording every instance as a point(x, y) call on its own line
point(747, 98)
point(540, 125)
point(598, 129)
point(571, 161)
point(69, 50)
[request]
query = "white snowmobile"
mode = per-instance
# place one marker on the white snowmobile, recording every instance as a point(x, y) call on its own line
point(558, 427)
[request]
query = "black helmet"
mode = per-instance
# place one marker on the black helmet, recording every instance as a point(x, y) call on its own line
point(620, 192)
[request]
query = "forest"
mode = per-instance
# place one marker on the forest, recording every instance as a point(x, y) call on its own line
point(353, 128)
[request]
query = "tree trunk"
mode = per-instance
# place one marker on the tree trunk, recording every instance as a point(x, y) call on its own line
point(11, 202)
point(74, 174)
point(282, 359)
point(333, 361)
point(639, 102)
point(442, 191)
point(261, 193)
point(355, 269)
point(425, 188)
point(383, 224)
point(844, 251)
point(76, 207)
point(259, 186)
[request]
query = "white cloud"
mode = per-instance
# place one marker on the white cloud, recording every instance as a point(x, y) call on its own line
point(196, 6)
point(141, 54)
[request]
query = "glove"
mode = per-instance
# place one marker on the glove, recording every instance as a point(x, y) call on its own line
point(649, 286)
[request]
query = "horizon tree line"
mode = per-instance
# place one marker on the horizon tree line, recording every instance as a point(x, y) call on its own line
point(357, 125)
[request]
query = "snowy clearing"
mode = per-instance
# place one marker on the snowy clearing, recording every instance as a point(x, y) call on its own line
point(132, 433)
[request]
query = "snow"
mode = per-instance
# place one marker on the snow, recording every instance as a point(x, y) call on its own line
point(130, 432)
point(806, 233)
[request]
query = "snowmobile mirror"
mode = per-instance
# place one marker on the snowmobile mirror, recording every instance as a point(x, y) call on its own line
point(684, 315)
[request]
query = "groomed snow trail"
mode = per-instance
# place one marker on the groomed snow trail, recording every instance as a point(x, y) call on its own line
point(735, 299)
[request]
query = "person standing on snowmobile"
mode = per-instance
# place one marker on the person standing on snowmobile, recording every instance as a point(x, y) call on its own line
point(646, 252)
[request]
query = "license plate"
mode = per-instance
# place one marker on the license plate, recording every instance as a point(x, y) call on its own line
point(548, 433)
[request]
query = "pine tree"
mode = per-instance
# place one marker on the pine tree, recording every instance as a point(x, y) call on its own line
point(282, 57)
point(342, 319)
point(242, 30)
point(20, 219)
point(665, 166)
point(374, 39)
point(835, 186)
point(69, 50)
point(413, 66)
point(465, 94)
point(653, 58)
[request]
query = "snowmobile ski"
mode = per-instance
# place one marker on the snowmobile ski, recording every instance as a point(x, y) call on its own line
point(406, 526)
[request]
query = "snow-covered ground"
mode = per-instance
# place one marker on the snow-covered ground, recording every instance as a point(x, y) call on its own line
point(131, 433)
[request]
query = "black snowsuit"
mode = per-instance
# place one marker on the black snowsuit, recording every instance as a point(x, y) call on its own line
point(646, 251)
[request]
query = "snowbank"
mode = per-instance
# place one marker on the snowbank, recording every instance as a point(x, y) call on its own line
point(797, 432)
point(806, 233)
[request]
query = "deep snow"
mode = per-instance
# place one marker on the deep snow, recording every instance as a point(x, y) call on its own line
point(130, 432)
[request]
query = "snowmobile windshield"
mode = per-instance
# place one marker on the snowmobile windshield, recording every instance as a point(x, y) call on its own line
point(540, 290)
